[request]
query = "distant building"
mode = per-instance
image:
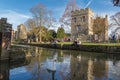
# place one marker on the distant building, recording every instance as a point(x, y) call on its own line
point(16, 35)
point(12, 35)
point(82, 25)
point(21, 32)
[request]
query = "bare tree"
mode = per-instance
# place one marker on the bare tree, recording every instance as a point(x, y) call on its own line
point(39, 13)
point(66, 17)
point(116, 2)
point(115, 22)
point(116, 19)
point(43, 17)
point(30, 23)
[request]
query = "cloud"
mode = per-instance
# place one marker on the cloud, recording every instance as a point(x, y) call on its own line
point(14, 18)
point(106, 2)
point(102, 14)
point(88, 3)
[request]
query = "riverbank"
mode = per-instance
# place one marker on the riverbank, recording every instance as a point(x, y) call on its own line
point(87, 48)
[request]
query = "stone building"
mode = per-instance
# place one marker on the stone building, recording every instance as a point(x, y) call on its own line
point(21, 32)
point(100, 28)
point(5, 38)
point(16, 35)
point(82, 25)
point(12, 35)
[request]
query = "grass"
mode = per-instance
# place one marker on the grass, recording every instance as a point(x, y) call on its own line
point(65, 42)
point(88, 43)
point(85, 43)
point(103, 44)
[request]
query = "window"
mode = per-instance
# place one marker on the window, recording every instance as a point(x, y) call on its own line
point(78, 27)
point(83, 19)
point(75, 19)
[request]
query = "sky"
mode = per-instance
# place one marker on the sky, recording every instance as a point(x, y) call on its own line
point(18, 11)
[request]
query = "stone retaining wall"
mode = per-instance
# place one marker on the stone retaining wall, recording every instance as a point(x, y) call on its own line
point(88, 48)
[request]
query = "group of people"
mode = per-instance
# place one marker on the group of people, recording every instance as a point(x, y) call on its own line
point(76, 43)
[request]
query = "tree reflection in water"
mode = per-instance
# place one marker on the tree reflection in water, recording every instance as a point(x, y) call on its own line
point(68, 66)
point(50, 64)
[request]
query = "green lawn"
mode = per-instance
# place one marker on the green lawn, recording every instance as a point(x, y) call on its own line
point(85, 43)
point(103, 44)
point(65, 42)
point(88, 43)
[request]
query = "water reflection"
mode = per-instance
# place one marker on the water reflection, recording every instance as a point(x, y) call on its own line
point(4, 70)
point(18, 58)
point(49, 64)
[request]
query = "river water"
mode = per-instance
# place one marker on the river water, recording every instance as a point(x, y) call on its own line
point(49, 64)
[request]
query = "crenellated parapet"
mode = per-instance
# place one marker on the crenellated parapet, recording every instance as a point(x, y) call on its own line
point(82, 23)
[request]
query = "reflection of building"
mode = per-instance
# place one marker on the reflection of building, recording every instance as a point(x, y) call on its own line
point(82, 25)
point(97, 70)
point(90, 70)
point(18, 59)
point(100, 69)
point(83, 68)
point(79, 68)
point(21, 32)
point(4, 70)
point(5, 38)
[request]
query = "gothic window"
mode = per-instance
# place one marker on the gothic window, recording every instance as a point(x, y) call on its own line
point(75, 19)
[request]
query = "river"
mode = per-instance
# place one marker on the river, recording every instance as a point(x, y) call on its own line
point(50, 64)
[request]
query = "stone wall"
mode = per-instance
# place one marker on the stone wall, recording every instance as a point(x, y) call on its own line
point(5, 38)
point(87, 48)
point(82, 23)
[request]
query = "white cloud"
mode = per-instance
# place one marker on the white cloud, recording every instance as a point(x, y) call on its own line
point(106, 2)
point(102, 14)
point(88, 3)
point(13, 17)
point(55, 26)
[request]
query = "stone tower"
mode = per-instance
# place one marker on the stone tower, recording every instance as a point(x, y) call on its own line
point(82, 24)
point(22, 32)
point(100, 28)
